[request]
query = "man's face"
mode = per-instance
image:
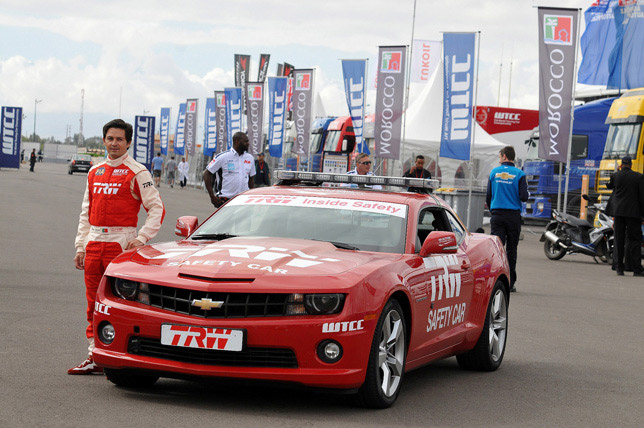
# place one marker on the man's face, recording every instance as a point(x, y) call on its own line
point(242, 145)
point(420, 163)
point(363, 166)
point(260, 158)
point(115, 143)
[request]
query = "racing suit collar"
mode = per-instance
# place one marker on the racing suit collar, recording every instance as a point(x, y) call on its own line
point(117, 161)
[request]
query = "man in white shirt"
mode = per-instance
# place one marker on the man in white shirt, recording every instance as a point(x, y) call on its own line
point(363, 166)
point(183, 169)
point(235, 169)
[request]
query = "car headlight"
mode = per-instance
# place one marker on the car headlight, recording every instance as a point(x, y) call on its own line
point(125, 288)
point(315, 304)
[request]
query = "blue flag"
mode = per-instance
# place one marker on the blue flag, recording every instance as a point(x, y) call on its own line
point(144, 140)
point(10, 137)
point(626, 62)
point(458, 67)
point(596, 43)
point(354, 73)
point(276, 114)
point(179, 137)
point(210, 138)
point(164, 130)
point(233, 112)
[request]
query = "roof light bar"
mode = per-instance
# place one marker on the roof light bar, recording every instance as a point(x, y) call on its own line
point(357, 179)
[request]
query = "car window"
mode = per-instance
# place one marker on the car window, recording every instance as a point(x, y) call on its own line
point(455, 226)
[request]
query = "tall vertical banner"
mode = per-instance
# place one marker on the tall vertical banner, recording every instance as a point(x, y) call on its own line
point(233, 112)
point(262, 70)
point(597, 43)
point(210, 129)
point(354, 72)
point(458, 91)
point(190, 132)
point(557, 51)
point(222, 123)
point(179, 130)
point(164, 130)
point(143, 151)
point(276, 114)
point(390, 95)
point(424, 60)
point(302, 109)
point(280, 69)
point(10, 133)
point(626, 58)
point(242, 68)
point(255, 116)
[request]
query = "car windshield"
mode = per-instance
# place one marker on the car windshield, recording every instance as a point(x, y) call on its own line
point(347, 223)
point(622, 140)
point(83, 157)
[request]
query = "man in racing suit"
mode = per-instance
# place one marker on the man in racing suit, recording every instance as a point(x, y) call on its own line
point(115, 191)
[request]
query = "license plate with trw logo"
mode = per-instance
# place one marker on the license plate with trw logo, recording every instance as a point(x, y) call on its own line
point(189, 336)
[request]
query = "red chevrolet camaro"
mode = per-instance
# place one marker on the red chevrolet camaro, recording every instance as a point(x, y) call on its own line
point(323, 286)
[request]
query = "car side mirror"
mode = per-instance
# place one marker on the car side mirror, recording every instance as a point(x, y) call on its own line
point(439, 243)
point(186, 225)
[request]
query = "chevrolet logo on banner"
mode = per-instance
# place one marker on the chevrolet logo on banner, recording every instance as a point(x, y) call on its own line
point(207, 304)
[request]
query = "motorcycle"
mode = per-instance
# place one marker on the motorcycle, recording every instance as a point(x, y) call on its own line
point(567, 234)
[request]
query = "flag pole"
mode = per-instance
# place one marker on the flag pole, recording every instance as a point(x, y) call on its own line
point(408, 76)
point(473, 123)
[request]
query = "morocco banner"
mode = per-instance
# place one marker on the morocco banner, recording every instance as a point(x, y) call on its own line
point(557, 51)
point(389, 100)
point(255, 116)
point(191, 126)
point(144, 140)
point(302, 109)
point(276, 114)
point(179, 130)
point(233, 112)
point(10, 132)
point(424, 61)
point(458, 74)
point(222, 124)
point(262, 70)
point(354, 73)
point(210, 138)
point(164, 130)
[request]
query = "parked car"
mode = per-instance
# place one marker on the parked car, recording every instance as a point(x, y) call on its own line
point(80, 163)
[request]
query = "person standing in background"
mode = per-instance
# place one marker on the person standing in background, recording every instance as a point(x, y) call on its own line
point(183, 169)
point(262, 173)
point(170, 169)
point(157, 169)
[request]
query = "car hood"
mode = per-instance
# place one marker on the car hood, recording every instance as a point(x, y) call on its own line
point(250, 257)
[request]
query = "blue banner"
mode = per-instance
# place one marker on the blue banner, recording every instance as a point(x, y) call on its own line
point(10, 134)
point(627, 57)
point(144, 140)
point(164, 130)
point(233, 112)
point(210, 133)
point(179, 135)
point(354, 73)
point(596, 43)
point(276, 114)
point(458, 67)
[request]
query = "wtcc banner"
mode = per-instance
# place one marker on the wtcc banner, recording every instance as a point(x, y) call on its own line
point(458, 89)
point(233, 112)
point(255, 116)
point(596, 43)
point(164, 129)
point(389, 100)
point(144, 140)
point(10, 133)
point(179, 130)
point(424, 60)
point(354, 73)
point(190, 131)
point(262, 70)
point(210, 123)
point(276, 114)
point(222, 123)
point(302, 109)
point(557, 51)
point(627, 56)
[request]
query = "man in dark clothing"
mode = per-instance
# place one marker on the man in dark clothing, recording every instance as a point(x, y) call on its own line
point(263, 174)
point(418, 171)
point(627, 204)
point(506, 189)
point(32, 160)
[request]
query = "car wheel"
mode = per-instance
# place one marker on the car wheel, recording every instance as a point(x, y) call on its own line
point(128, 379)
point(488, 352)
point(386, 364)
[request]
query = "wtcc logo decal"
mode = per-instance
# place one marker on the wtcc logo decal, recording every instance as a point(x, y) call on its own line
point(303, 82)
point(391, 62)
point(557, 30)
point(255, 92)
point(106, 188)
point(343, 326)
point(118, 172)
point(221, 100)
point(270, 199)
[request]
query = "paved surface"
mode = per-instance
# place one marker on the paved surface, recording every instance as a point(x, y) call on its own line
point(574, 356)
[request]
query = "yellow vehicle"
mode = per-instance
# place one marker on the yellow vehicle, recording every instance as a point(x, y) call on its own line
point(624, 136)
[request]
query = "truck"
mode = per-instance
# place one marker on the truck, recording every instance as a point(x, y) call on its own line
point(589, 133)
point(319, 132)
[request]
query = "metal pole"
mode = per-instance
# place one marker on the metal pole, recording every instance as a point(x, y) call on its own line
point(408, 76)
point(473, 123)
point(498, 95)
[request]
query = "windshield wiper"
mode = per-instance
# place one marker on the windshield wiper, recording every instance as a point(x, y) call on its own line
point(340, 245)
point(213, 236)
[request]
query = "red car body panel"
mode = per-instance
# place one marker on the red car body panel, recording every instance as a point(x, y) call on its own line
point(443, 320)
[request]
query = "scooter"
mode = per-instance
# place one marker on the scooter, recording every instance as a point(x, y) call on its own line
point(567, 234)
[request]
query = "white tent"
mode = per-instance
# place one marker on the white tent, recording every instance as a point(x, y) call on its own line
point(423, 135)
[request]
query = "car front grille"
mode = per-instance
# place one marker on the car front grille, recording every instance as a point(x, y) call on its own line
point(249, 357)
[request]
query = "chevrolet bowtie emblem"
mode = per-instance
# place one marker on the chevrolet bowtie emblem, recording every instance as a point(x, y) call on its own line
point(207, 304)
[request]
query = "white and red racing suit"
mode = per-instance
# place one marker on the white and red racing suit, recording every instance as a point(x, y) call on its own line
point(115, 191)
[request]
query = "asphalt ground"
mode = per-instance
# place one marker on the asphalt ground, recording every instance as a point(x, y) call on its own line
point(574, 355)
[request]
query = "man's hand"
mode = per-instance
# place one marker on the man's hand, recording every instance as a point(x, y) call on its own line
point(413, 169)
point(133, 244)
point(216, 201)
point(79, 260)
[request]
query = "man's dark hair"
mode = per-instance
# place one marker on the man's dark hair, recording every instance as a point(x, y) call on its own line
point(238, 136)
point(509, 153)
point(420, 157)
point(119, 124)
point(159, 154)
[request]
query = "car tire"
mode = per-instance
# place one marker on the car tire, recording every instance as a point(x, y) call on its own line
point(128, 379)
point(488, 352)
point(386, 365)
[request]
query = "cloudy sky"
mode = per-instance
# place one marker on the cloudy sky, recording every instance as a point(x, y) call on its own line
point(158, 53)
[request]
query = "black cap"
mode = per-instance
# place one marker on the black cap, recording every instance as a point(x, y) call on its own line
point(626, 160)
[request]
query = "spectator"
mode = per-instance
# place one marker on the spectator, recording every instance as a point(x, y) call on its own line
point(263, 174)
point(39, 155)
point(418, 171)
point(22, 156)
point(32, 160)
point(170, 169)
point(363, 166)
point(183, 168)
point(157, 169)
